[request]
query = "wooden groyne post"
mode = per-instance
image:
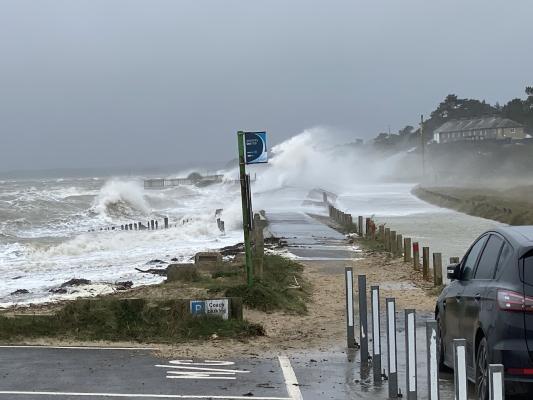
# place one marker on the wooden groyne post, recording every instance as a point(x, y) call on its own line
point(416, 256)
point(407, 250)
point(425, 262)
point(437, 269)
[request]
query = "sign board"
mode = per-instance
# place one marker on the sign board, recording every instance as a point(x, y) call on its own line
point(212, 308)
point(255, 147)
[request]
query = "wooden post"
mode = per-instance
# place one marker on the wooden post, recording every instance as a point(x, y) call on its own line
point(360, 225)
point(387, 239)
point(416, 256)
point(166, 222)
point(367, 228)
point(407, 249)
point(152, 224)
point(437, 269)
point(393, 242)
point(382, 233)
point(156, 224)
point(259, 245)
point(399, 245)
point(425, 262)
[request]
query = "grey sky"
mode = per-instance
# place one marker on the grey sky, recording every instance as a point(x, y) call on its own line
point(103, 82)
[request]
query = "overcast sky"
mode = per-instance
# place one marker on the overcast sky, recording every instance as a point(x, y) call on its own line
point(107, 82)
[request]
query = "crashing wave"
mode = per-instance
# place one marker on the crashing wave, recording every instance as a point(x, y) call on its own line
point(120, 199)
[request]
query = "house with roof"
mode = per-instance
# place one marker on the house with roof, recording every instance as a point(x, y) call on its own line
point(475, 129)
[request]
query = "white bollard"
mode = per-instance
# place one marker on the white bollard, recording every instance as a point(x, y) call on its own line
point(496, 382)
point(459, 363)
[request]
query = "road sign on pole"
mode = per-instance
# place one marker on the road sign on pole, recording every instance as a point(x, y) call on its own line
point(252, 150)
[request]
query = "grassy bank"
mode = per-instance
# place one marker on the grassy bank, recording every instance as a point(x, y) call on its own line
point(158, 314)
point(511, 206)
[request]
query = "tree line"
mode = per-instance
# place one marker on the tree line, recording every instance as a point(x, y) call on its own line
point(452, 107)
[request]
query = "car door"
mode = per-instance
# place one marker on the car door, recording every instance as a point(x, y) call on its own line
point(453, 301)
point(475, 293)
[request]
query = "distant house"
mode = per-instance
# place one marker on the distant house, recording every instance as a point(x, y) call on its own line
point(479, 129)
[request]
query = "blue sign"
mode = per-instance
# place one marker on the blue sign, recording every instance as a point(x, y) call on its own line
point(197, 307)
point(255, 147)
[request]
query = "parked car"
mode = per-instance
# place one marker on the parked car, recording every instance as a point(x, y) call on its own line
point(489, 303)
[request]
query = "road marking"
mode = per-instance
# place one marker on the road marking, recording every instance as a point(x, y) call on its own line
point(191, 371)
point(291, 382)
point(77, 347)
point(139, 395)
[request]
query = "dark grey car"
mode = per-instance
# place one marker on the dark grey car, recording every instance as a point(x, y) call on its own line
point(489, 302)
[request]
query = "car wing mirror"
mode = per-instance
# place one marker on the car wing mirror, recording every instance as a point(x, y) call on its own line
point(454, 271)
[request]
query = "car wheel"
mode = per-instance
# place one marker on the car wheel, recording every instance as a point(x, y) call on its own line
point(482, 371)
point(440, 345)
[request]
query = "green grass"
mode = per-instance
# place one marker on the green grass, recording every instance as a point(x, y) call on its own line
point(123, 320)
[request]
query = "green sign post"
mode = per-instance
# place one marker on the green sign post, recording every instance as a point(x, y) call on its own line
point(245, 210)
point(252, 150)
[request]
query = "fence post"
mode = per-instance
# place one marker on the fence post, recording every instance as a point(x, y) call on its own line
point(407, 250)
point(399, 245)
point(363, 321)
point(393, 242)
point(360, 225)
point(410, 354)
point(387, 239)
point(382, 233)
point(416, 256)
point(425, 262)
point(432, 360)
point(391, 348)
point(350, 330)
point(459, 370)
point(376, 334)
point(437, 269)
point(496, 382)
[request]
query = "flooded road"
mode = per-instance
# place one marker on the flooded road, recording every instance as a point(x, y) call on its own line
point(443, 230)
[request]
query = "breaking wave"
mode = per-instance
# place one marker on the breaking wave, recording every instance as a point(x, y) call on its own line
point(119, 199)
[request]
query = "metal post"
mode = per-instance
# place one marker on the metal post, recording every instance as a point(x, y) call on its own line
point(410, 354)
point(348, 274)
point(416, 256)
point(376, 334)
point(391, 348)
point(425, 262)
point(363, 321)
point(459, 363)
point(407, 250)
point(245, 210)
point(433, 362)
point(437, 269)
point(496, 382)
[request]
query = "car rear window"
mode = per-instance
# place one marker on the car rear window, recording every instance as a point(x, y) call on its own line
point(505, 255)
point(528, 270)
point(489, 258)
point(470, 262)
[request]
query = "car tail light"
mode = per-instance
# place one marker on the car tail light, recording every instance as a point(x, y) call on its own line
point(513, 301)
point(520, 371)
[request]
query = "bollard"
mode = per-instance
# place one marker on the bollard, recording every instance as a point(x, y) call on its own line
point(416, 256)
point(407, 250)
point(425, 262)
point(432, 360)
point(350, 330)
point(393, 242)
point(391, 348)
point(387, 239)
point(437, 269)
point(496, 382)
point(363, 321)
point(455, 260)
point(376, 334)
point(382, 233)
point(410, 354)
point(399, 245)
point(459, 370)
point(166, 222)
point(360, 225)
point(152, 224)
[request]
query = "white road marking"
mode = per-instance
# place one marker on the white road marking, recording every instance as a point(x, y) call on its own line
point(290, 378)
point(139, 395)
point(76, 347)
point(187, 369)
